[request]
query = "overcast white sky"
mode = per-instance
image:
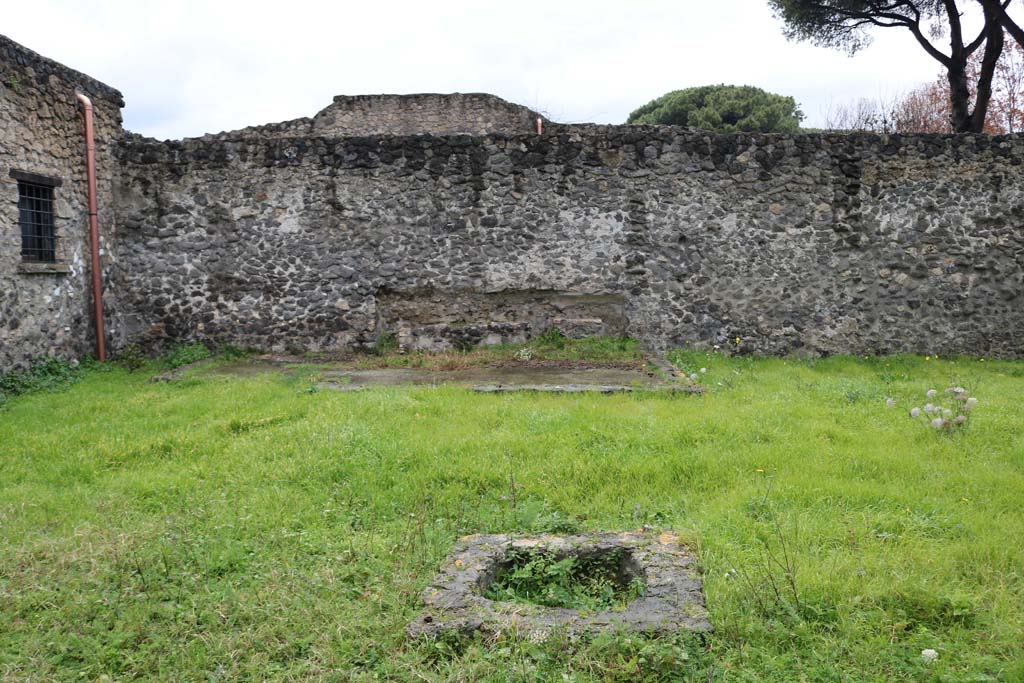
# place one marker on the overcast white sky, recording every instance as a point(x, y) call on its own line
point(188, 67)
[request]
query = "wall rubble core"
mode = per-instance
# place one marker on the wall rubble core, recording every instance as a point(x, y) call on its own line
point(447, 221)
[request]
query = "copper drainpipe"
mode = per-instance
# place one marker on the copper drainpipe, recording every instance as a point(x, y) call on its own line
point(94, 227)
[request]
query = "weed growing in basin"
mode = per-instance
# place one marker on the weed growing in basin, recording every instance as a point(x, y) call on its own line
point(587, 583)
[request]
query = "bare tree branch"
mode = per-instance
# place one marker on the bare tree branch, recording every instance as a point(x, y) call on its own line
point(993, 50)
point(1000, 11)
point(842, 23)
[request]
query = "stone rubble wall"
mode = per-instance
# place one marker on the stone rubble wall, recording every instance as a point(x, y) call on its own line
point(41, 132)
point(812, 244)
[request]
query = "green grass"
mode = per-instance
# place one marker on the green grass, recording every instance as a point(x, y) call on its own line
point(245, 528)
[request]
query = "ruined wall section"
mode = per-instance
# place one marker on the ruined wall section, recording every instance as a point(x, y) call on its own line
point(45, 309)
point(425, 114)
point(816, 244)
point(448, 114)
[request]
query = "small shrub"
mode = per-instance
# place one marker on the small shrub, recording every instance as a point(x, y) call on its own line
point(551, 338)
point(185, 354)
point(387, 343)
point(48, 374)
point(131, 358)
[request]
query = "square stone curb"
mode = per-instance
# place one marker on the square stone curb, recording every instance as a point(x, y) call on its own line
point(673, 599)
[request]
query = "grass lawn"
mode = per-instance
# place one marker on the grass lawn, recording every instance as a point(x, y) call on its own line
point(225, 528)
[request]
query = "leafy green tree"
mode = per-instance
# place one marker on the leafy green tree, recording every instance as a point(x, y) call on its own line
point(723, 108)
point(844, 24)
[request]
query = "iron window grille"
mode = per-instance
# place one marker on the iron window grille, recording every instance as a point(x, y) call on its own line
point(35, 213)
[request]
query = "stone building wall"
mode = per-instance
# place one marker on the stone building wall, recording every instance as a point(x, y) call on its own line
point(814, 244)
point(45, 309)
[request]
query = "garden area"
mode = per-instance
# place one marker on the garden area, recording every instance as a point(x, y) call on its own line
point(234, 526)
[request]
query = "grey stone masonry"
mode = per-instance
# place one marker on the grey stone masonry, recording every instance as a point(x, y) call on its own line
point(672, 601)
point(45, 307)
point(814, 244)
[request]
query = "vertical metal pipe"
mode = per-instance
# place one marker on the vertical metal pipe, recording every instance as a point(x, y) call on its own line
point(94, 227)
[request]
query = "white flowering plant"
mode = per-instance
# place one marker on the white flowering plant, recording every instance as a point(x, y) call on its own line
point(524, 354)
point(950, 410)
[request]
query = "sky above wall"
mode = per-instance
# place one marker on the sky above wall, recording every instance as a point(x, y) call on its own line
point(189, 67)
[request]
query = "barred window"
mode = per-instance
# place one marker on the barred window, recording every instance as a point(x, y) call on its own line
point(35, 209)
point(35, 214)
